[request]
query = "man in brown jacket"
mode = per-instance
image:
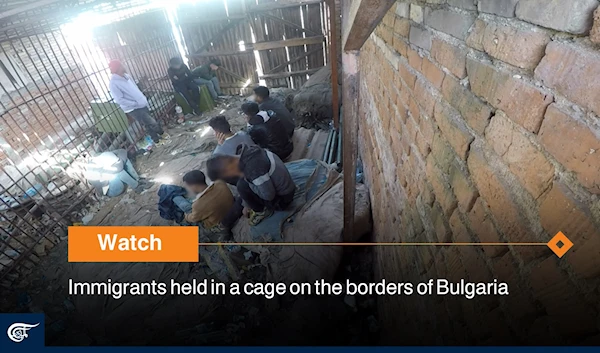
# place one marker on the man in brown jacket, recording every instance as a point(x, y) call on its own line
point(214, 206)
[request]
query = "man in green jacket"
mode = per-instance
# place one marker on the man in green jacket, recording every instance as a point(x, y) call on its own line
point(207, 75)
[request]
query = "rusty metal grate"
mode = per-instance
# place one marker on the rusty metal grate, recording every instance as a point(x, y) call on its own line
point(55, 113)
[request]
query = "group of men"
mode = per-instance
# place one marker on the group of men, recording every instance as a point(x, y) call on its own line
point(251, 160)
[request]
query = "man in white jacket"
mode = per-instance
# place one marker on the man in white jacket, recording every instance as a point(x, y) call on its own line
point(133, 102)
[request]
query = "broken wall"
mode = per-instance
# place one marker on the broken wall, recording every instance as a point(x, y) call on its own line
point(479, 123)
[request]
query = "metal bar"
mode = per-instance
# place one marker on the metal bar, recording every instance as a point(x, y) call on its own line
point(290, 74)
point(327, 145)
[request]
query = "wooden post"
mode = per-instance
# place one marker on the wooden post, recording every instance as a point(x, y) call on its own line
point(350, 97)
point(333, 57)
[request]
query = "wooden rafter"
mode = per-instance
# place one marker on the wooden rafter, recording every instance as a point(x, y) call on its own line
point(291, 61)
point(289, 74)
point(288, 43)
point(290, 24)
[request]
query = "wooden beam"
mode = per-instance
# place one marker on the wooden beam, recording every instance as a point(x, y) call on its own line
point(333, 57)
point(364, 16)
point(282, 5)
point(233, 74)
point(291, 61)
point(218, 35)
point(288, 23)
point(221, 53)
point(289, 74)
point(350, 106)
point(294, 42)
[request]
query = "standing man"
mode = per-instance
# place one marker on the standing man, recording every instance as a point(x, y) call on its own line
point(207, 75)
point(133, 102)
point(266, 103)
point(183, 82)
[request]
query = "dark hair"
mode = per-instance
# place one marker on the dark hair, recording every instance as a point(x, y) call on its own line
point(194, 177)
point(261, 91)
point(175, 61)
point(250, 108)
point(215, 165)
point(220, 124)
point(215, 62)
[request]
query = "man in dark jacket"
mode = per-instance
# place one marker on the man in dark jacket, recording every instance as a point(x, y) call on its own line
point(267, 131)
point(206, 75)
point(183, 82)
point(266, 103)
point(265, 184)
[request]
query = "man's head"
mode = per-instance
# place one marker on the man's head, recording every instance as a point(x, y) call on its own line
point(175, 62)
point(116, 67)
point(220, 124)
point(250, 109)
point(223, 167)
point(261, 93)
point(195, 181)
point(215, 64)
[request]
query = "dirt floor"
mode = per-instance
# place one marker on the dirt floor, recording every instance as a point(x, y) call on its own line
point(194, 321)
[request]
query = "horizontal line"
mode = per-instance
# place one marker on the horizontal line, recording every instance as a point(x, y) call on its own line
point(375, 244)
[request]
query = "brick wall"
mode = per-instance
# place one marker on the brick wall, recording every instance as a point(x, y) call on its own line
point(479, 123)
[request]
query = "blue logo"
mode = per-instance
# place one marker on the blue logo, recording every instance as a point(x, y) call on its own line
point(21, 331)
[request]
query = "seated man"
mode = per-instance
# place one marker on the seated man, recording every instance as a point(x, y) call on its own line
point(207, 75)
point(267, 131)
point(227, 140)
point(266, 103)
point(110, 172)
point(214, 206)
point(182, 80)
point(264, 184)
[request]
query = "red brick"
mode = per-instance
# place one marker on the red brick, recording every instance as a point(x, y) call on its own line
point(499, 196)
point(522, 102)
point(453, 129)
point(402, 27)
point(558, 135)
point(443, 153)
point(414, 108)
point(425, 97)
point(442, 232)
point(432, 73)
point(408, 77)
point(476, 113)
point(475, 38)
point(400, 45)
point(523, 159)
point(463, 190)
point(451, 57)
point(560, 211)
point(422, 145)
point(414, 59)
point(595, 31)
point(427, 128)
point(520, 48)
point(411, 127)
point(484, 229)
point(440, 187)
point(573, 71)
point(471, 256)
point(566, 308)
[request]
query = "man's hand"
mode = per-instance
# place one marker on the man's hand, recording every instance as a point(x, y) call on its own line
point(246, 212)
point(175, 77)
point(220, 137)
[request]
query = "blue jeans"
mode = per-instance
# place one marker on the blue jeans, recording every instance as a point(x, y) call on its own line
point(127, 176)
point(142, 115)
point(213, 86)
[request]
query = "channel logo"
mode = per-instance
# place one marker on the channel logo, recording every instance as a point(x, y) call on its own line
point(21, 331)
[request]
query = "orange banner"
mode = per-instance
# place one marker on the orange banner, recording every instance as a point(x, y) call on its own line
point(133, 244)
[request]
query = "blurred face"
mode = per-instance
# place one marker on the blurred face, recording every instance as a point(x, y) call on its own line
point(257, 99)
point(231, 169)
point(214, 67)
point(194, 188)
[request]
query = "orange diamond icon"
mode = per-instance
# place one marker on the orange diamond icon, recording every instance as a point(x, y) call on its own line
point(560, 244)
